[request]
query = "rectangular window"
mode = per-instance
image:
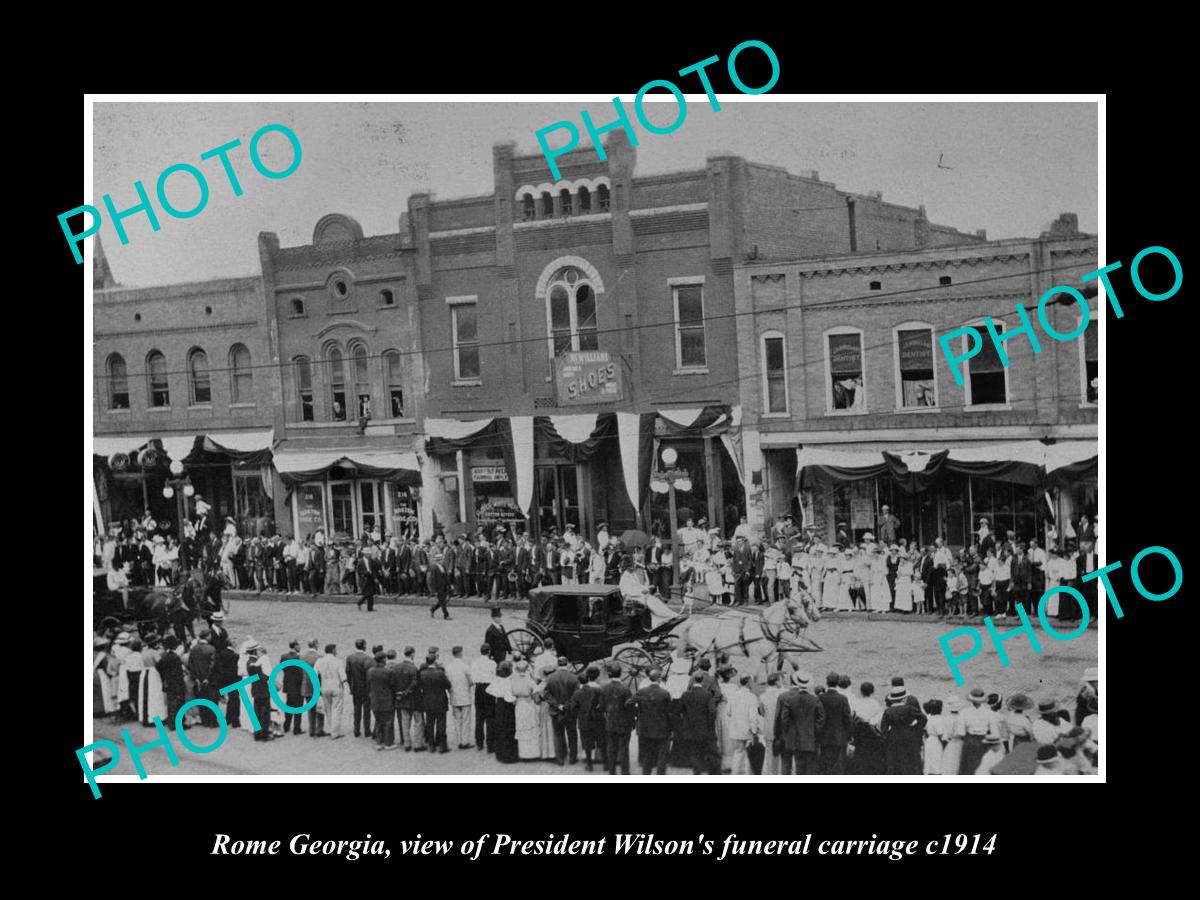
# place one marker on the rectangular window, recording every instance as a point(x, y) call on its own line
point(987, 379)
point(395, 383)
point(845, 356)
point(1091, 361)
point(689, 326)
point(914, 347)
point(465, 333)
point(341, 497)
point(304, 389)
point(775, 373)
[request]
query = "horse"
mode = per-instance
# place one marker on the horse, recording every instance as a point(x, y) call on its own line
point(760, 635)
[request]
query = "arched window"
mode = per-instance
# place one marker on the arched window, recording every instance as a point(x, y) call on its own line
point(564, 201)
point(393, 383)
point(387, 298)
point(118, 382)
point(199, 382)
point(585, 201)
point(241, 375)
point(571, 311)
point(160, 389)
point(916, 384)
point(602, 197)
point(547, 205)
point(362, 380)
point(337, 384)
point(845, 385)
point(304, 389)
point(528, 208)
point(774, 374)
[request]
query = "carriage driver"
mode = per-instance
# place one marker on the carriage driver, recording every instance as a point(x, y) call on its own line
point(635, 590)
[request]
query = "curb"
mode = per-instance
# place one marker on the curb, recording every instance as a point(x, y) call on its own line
point(380, 599)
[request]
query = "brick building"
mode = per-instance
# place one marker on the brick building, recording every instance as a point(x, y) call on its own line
point(528, 292)
point(181, 374)
point(848, 402)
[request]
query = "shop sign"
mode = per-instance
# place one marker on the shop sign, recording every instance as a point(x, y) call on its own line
point(489, 473)
point(497, 510)
point(310, 508)
point(587, 376)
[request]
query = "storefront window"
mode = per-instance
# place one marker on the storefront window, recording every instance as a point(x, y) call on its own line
point(251, 501)
point(370, 508)
point(362, 381)
point(1013, 508)
point(341, 498)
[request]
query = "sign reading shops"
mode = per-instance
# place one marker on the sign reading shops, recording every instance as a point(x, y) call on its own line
point(587, 376)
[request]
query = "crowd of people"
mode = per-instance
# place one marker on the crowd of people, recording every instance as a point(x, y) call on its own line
point(699, 713)
point(887, 574)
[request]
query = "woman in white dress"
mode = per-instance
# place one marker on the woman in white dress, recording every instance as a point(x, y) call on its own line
point(954, 730)
point(880, 596)
point(831, 586)
point(528, 732)
point(904, 585)
point(714, 578)
point(152, 701)
point(935, 737)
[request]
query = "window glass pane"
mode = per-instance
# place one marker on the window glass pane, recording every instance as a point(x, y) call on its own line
point(691, 306)
point(774, 354)
point(691, 346)
point(585, 307)
point(397, 402)
point(392, 364)
point(337, 375)
point(916, 367)
point(845, 355)
point(468, 362)
point(560, 310)
point(303, 374)
point(562, 342)
point(464, 319)
point(988, 359)
point(776, 394)
point(360, 365)
point(585, 200)
point(342, 501)
point(201, 392)
point(589, 340)
point(987, 387)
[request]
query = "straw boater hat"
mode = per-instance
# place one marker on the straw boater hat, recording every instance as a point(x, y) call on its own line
point(123, 638)
point(991, 739)
point(1048, 706)
point(801, 679)
point(1046, 754)
point(1019, 703)
point(218, 616)
point(976, 695)
point(1091, 675)
point(896, 696)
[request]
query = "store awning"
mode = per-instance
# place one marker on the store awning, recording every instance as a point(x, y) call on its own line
point(1069, 453)
point(295, 466)
point(179, 446)
point(239, 441)
point(108, 444)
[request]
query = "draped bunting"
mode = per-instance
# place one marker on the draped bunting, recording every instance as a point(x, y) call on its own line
point(245, 446)
point(635, 435)
point(684, 418)
point(678, 421)
point(451, 435)
point(454, 429)
point(574, 443)
point(522, 440)
point(295, 466)
point(575, 429)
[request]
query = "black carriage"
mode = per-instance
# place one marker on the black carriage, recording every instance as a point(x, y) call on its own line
point(587, 622)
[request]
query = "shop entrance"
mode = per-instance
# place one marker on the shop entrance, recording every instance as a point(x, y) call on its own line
point(556, 497)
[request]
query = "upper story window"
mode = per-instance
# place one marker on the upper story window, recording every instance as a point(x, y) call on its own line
point(1089, 361)
point(393, 381)
point(916, 386)
point(845, 384)
point(387, 298)
point(156, 368)
point(297, 307)
point(337, 384)
point(571, 311)
point(464, 334)
point(688, 301)
point(241, 374)
point(602, 197)
point(362, 380)
point(199, 381)
point(585, 201)
point(987, 378)
point(564, 201)
point(118, 382)
point(304, 389)
point(945, 280)
point(528, 208)
point(774, 374)
point(876, 285)
point(547, 205)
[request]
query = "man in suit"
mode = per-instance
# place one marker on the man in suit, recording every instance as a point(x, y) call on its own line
point(558, 690)
point(260, 690)
point(449, 568)
point(404, 566)
point(496, 638)
point(618, 719)
point(364, 569)
point(316, 718)
point(294, 679)
point(699, 724)
point(170, 669)
point(537, 564)
point(740, 563)
point(382, 701)
point(653, 725)
point(435, 699)
point(407, 689)
point(420, 567)
point(521, 562)
point(799, 720)
point(1085, 562)
point(588, 707)
point(200, 666)
point(839, 725)
point(902, 728)
point(506, 555)
point(358, 664)
point(218, 633)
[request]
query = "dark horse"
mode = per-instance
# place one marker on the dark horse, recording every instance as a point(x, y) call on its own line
point(163, 608)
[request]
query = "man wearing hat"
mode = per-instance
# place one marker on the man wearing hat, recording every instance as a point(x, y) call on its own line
point(902, 728)
point(1049, 725)
point(653, 704)
point(1049, 762)
point(698, 725)
point(889, 526)
point(839, 726)
point(977, 720)
point(382, 698)
point(558, 692)
point(218, 633)
point(435, 700)
point(618, 719)
point(799, 719)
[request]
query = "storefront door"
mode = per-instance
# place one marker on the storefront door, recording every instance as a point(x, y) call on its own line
point(557, 497)
point(341, 508)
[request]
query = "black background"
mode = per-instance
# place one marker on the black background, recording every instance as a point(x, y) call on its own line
point(165, 831)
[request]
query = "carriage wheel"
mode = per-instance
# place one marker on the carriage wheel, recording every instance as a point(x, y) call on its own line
point(635, 663)
point(524, 641)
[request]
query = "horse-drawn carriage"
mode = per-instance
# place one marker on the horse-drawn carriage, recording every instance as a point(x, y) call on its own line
point(155, 609)
point(587, 622)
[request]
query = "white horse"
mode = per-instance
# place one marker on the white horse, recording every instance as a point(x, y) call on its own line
point(759, 635)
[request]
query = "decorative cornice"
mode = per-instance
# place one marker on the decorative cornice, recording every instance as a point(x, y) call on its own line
point(176, 329)
point(351, 324)
point(905, 301)
point(914, 266)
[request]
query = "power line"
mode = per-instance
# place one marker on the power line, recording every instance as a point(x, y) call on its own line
point(873, 295)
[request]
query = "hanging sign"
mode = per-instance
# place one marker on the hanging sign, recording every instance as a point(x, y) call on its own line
point(587, 376)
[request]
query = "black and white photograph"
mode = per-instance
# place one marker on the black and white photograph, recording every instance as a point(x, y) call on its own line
point(572, 440)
